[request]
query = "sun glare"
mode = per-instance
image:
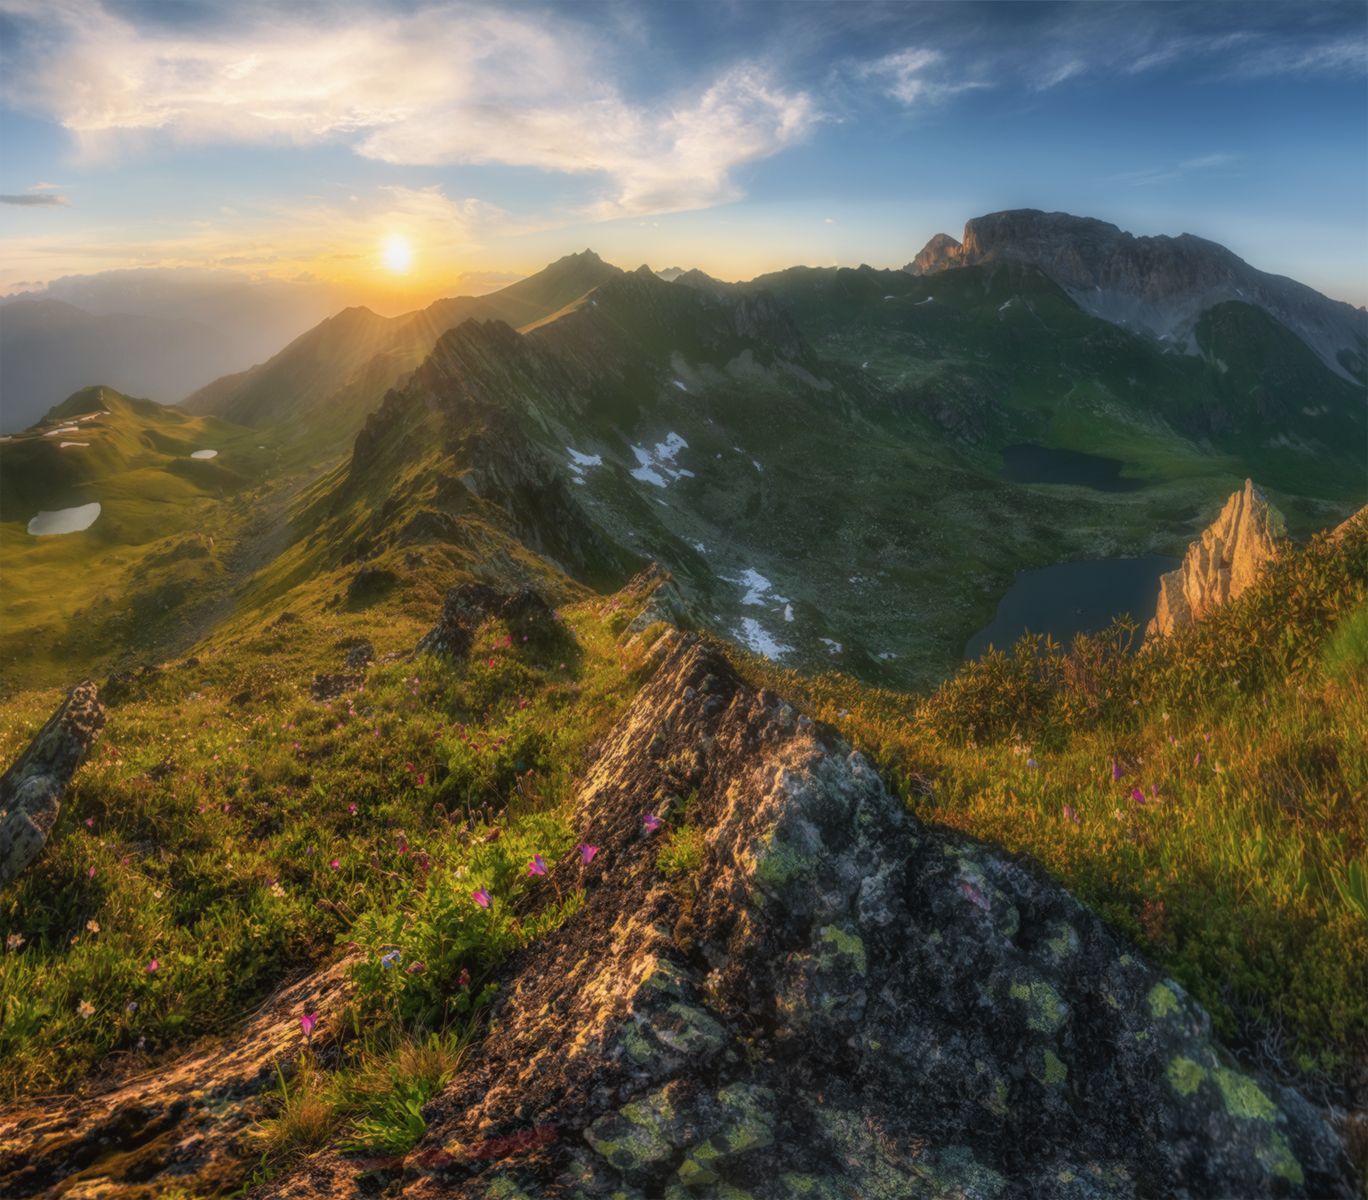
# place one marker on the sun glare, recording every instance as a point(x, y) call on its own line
point(397, 254)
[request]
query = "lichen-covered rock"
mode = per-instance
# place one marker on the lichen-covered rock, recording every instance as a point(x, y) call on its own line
point(840, 1002)
point(1222, 563)
point(31, 790)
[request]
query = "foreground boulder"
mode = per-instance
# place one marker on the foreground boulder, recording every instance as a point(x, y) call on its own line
point(31, 790)
point(1222, 563)
point(835, 1001)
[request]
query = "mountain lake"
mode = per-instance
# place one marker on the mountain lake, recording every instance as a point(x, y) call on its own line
point(1073, 597)
point(1027, 463)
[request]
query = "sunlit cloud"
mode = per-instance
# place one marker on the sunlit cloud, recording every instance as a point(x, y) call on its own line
point(442, 86)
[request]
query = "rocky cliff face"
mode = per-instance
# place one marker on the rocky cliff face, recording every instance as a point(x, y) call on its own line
point(1222, 563)
point(839, 1002)
point(1155, 285)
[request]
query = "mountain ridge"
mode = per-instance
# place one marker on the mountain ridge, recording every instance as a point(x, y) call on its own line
point(1160, 284)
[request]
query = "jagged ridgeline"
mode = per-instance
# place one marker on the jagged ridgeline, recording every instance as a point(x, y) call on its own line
point(435, 843)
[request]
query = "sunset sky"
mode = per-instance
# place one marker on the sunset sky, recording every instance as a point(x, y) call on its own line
point(403, 151)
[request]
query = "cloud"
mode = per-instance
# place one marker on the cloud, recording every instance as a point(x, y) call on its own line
point(1150, 176)
point(28, 200)
point(915, 75)
point(451, 84)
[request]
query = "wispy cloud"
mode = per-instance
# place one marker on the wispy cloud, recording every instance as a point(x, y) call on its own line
point(444, 85)
point(916, 75)
point(33, 200)
point(1169, 172)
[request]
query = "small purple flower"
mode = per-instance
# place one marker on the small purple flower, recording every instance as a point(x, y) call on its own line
point(1137, 795)
point(651, 822)
point(152, 967)
point(481, 897)
point(308, 1022)
point(1032, 764)
point(1117, 772)
point(335, 864)
point(389, 959)
point(587, 852)
point(537, 866)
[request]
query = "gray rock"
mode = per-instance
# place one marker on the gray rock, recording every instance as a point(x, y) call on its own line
point(842, 1002)
point(31, 790)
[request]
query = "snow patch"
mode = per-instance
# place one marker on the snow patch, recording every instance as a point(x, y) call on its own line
point(757, 466)
point(788, 612)
point(657, 465)
point(756, 585)
point(1004, 307)
point(833, 646)
point(579, 461)
point(700, 547)
point(64, 445)
point(755, 637)
point(203, 454)
point(887, 655)
point(919, 303)
point(679, 383)
point(63, 429)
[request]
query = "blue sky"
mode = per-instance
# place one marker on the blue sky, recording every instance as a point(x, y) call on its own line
point(295, 140)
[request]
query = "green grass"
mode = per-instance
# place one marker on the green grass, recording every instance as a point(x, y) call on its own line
point(231, 841)
point(1247, 736)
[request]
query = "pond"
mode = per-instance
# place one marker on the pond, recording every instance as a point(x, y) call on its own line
point(64, 520)
point(1027, 463)
point(1074, 597)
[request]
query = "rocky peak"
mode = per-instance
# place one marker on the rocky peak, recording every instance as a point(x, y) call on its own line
point(1155, 285)
point(1222, 563)
point(941, 252)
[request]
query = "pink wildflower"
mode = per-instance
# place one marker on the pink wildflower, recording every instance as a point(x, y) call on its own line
point(481, 897)
point(651, 822)
point(537, 866)
point(587, 852)
point(308, 1022)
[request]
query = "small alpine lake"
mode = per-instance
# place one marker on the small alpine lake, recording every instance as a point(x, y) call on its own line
point(1073, 597)
point(1029, 463)
point(64, 520)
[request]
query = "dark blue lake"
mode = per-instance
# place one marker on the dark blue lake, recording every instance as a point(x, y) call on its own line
point(1027, 463)
point(1074, 597)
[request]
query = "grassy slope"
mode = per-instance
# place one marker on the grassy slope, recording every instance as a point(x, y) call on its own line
point(163, 546)
point(233, 829)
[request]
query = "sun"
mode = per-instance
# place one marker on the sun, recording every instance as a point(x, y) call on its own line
point(397, 254)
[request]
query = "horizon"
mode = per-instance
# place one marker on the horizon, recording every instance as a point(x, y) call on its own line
point(738, 139)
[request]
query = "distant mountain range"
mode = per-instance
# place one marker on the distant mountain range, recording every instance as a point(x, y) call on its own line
point(817, 455)
point(154, 333)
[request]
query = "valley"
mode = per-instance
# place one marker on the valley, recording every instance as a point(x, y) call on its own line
point(434, 648)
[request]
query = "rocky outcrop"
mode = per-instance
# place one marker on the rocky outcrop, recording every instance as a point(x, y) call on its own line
point(179, 1130)
point(838, 1001)
point(1154, 285)
point(1222, 563)
point(469, 605)
point(31, 790)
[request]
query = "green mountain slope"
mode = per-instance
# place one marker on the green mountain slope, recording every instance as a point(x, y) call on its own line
point(326, 380)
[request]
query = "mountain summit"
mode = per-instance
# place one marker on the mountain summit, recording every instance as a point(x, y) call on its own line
point(1154, 285)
